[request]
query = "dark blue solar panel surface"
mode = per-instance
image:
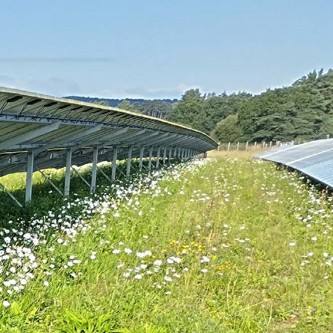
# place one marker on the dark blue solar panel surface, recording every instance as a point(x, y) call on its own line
point(314, 159)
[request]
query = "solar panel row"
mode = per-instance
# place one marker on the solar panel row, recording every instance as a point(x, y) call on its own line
point(48, 126)
point(314, 159)
point(38, 132)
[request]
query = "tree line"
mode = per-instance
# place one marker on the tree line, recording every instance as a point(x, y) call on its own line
point(302, 111)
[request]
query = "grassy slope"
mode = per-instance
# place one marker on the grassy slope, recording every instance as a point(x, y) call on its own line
point(255, 252)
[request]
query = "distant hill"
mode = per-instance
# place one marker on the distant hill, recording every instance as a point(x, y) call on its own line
point(114, 102)
point(159, 108)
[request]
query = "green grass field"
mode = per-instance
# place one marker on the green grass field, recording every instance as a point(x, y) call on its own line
point(228, 245)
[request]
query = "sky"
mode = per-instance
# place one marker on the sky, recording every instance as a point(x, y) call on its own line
point(159, 49)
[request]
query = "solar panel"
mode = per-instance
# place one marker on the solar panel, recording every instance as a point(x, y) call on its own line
point(314, 159)
point(33, 122)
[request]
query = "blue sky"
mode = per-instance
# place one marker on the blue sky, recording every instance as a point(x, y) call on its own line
point(159, 49)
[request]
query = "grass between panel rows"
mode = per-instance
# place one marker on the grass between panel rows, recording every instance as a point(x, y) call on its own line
point(233, 245)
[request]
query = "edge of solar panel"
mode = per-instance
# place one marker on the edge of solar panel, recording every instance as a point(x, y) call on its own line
point(122, 112)
point(314, 159)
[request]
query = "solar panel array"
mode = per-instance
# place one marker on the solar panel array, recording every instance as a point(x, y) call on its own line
point(48, 126)
point(314, 159)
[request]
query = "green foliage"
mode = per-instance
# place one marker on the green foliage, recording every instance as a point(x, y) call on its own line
point(126, 105)
point(189, 111)
point(155, 108)
point(302, 111)
point(203, 112)
point(227, 130)
point(84, 322)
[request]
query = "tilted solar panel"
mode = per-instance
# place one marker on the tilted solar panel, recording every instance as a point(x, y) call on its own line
point(314, 159)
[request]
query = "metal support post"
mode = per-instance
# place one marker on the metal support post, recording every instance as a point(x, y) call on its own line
point(128, 163)
point(114, 163)
point(149, 159)
point(175, 152)
point(182, 153)
point(164, 155)
point(94, 170)
point(141, 158)
point(30, 170)
point(68, 171)
point(158, 155)
point(170, 155)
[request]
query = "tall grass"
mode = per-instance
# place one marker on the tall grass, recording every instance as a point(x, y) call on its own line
point(233, 245)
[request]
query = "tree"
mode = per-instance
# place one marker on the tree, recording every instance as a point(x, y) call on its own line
point(227, 130)
point(189, 110)
point(126, 105)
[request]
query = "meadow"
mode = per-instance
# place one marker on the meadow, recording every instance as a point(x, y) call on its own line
point(225, 244)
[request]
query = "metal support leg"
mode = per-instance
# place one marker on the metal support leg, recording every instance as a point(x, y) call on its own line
point(179, 153)
point(150, 157)
point(170, 155)
point(175, 151)
point(128, 163)
point(13, 198)
point(30, 170)
point(114, 163)
point(141, 158)
point(158, 157)
point(68, 171)
point(104, 174)
point(164, 155)
point(80, 176)
point(50, 182)
point(94, 171)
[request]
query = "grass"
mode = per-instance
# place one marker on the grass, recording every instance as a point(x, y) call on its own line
point(233, 245)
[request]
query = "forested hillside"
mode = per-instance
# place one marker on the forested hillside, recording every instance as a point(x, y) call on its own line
point(302, 111)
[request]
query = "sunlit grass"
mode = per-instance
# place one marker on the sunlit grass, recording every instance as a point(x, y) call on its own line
point(233, 245)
